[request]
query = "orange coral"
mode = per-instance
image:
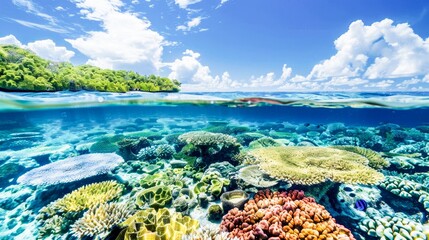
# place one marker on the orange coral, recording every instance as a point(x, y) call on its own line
point(283, 215)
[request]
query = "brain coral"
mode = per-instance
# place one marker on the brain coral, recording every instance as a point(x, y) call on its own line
point(282, 215)
point(309, 165)
point(71, 169)
point(98, 221)
point(89, 196)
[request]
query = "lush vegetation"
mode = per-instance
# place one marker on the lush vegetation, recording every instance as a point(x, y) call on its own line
point(22, 70)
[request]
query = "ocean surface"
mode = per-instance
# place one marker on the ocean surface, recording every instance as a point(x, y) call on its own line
point(87, 165)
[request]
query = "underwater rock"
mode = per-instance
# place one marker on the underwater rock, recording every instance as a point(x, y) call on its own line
point(349, 194)
point(8, 171)
point(71, 169)
point(215, 212)
point(178, 163)
point(130, 147)
point(233, 199)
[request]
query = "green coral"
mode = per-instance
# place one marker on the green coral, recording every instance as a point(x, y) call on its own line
point(312, 165)
point(376, 161)
point(211, 183)
point(88, 196)
point(215, 212)
point(157, 225)
point(98, 221)
point(264, 142)
point(211, 146)
point(155, 197)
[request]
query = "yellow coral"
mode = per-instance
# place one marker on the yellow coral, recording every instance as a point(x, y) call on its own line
point(88, 196)
point(159, 225)
point(312, 165)
point(375, 160)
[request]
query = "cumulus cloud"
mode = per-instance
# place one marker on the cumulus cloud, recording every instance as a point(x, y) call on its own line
point(380, 50)
point(44, 48)
point(126, 40)
point(194, 22)
point(197, 77)
point(10, 40)
point(185, 3)
point(48, 49)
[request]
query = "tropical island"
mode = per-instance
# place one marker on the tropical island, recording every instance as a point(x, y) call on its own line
point(22, 70)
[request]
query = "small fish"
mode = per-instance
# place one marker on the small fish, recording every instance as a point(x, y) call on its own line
point(361, 205)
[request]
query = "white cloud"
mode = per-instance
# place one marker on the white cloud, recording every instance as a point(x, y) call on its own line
point(381, 50)
point(185, 3)
point(34, 9)
point(222, 2)
point(125, 42)
point(195, 76)
point(10, 39)
point(268, 81)
point(380, 84)
point(408, 82)
point(426, 78)
point(194, 22)
point(60, 8)
point(47, 49)
point(40, 26)
point(44, 48)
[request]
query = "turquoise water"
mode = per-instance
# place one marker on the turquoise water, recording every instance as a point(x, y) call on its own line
point(52, 144)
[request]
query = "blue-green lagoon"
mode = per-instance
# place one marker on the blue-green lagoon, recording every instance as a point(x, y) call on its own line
point(87, 165)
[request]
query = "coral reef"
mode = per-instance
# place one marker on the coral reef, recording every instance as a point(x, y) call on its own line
point(211, 146)
point(71, 169)
point(99, 220)
point(376, 161)
point(389, 227)
point(88, 196)
point(161, 224)
point(312, 165)
point(233, 199)
point(283, 215)
point(155, 197)
point(252, 175)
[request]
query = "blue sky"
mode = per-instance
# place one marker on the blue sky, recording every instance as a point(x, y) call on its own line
point(228, 45)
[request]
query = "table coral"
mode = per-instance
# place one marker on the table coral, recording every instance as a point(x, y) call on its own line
point(376, 161)
point(312, 165)
point(282, 215)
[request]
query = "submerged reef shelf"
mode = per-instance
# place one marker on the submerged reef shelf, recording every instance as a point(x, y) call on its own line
point(205, 171)
point(66, 99)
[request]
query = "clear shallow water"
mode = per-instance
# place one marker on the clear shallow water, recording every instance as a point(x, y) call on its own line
point(41, 128)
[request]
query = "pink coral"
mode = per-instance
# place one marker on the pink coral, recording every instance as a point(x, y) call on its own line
point(283, 215)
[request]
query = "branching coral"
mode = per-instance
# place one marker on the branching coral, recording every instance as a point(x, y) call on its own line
point(375, 160)
point(283, 215)
point(312, 165)
point(98, 221)
point(88, 196)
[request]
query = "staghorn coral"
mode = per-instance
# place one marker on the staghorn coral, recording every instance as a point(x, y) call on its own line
point(375, 160)
point(88, 196)
point(282, 215)
point(312, 165)
point(161, 224)
point(71, 169)
point(98, 220)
